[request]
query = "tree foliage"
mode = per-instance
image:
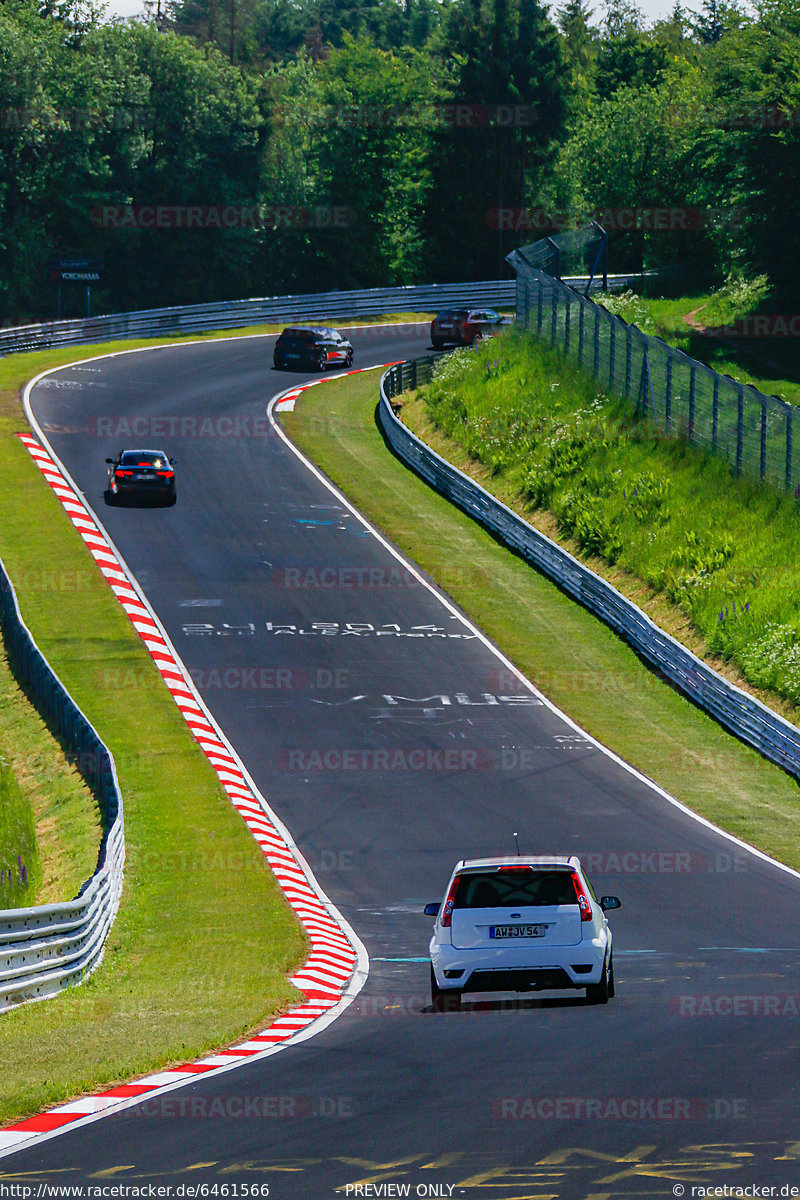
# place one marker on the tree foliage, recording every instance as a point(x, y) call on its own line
point(387, 141)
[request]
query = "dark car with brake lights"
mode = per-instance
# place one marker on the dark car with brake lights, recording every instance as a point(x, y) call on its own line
point(465, 326)
point(141, 474)
point(314, 346)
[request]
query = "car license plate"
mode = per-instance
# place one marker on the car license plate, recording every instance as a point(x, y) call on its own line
point(517, 931)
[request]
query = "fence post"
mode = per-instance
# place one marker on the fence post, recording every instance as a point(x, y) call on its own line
point(788, 446)
point(567, 323)
point(414, 375)
point(540, 306)
point(581, 308)
point(668, 394)
point(763, 463)
point(715, 414)
point(740, 431)
point(611, 350)
point(628, 360)
point(646, 386)
point(596, 340)
point(692, 381)
point(554, 318)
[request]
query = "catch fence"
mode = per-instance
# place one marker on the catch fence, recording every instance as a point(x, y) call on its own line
point(757, 433)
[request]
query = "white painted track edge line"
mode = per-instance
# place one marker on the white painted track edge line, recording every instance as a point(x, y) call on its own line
point(497, 652)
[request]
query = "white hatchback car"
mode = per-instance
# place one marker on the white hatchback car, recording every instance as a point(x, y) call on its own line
point(520, 924)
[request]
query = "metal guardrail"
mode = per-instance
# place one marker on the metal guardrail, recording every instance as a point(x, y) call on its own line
point(739, 712)
point(54, 946)
point(232, 314)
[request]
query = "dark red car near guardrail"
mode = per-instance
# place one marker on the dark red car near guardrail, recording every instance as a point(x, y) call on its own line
point(465, 326)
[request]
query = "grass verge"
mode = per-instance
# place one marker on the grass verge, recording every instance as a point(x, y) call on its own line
point(20, 868)
point(199, 953)
point(771, 364)
point(574, 658)
point(49, 819)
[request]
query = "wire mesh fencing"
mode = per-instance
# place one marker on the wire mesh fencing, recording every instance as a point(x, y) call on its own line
point(685, 398)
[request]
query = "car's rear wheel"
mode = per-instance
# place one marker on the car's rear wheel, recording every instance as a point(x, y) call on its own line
point(444, 999)
point(601, 993)
point(322, 360)
point(437, 343)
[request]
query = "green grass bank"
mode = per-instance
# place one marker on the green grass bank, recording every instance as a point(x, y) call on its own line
point(721, 551)
point(704, 327)
point(49, 820)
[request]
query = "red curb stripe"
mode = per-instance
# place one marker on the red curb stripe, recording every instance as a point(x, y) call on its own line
point(192, 1068)
point(128, 1089)
point(44, 1122)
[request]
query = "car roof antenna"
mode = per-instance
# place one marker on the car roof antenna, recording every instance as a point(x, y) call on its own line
point(516, 843)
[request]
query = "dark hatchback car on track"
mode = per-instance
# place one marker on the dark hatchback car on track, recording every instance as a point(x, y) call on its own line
point(315, 347)
point(465, 326)
point(142, 475)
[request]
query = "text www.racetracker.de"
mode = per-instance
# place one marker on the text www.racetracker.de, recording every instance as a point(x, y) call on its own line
point(130, 1191)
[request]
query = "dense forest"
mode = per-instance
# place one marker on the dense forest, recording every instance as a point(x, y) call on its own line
point(223, 148)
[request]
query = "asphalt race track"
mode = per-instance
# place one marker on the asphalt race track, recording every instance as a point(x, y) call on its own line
point(392, 742)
